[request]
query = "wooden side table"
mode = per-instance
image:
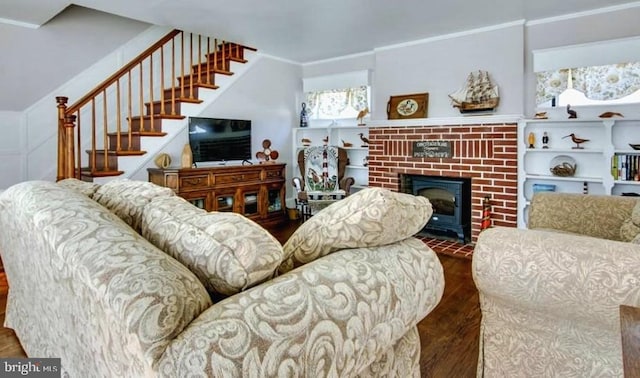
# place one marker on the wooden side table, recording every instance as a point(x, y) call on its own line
point(630, 333)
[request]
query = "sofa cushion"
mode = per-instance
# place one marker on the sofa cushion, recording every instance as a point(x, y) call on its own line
point(226, 251)
point(368, 218)
point(629, 230)
point(635, 214)
point(127, 198)
point(86, 188)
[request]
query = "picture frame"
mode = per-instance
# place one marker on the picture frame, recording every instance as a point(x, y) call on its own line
point(408, 106)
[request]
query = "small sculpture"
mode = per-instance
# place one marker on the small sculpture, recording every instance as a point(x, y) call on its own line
point(541, 115)
point(610, 114)
point(572, 113)
point(186, 159)
point(267, 155)
point(361, 115)
point(163, 160)
point(576, 140)
point(346, 144)
point(545, 140)
point(532, 140)
point(304, 118)
point(306, 142)
point(365, 161)
point(565, 169)
point(325, 140)
point(365, 140)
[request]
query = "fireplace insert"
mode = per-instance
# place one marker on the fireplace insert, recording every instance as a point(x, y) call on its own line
point(451, 201)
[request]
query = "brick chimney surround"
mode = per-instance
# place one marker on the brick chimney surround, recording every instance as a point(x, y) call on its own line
point(484, 149)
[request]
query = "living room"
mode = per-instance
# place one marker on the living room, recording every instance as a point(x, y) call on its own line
point(271, 91)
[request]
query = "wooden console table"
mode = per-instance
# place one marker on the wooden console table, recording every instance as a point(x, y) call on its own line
point(255, 191)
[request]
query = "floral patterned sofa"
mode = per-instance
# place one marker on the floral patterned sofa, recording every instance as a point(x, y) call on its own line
point(128, 280)
point(550, 295)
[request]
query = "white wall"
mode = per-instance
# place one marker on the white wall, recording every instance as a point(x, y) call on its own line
point(621, 22)
point(11, 142)
point(267, 96)
point(441, 66)
point(36, 61)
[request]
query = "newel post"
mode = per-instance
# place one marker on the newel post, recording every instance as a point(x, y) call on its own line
point(69, 161)
point(62, 108)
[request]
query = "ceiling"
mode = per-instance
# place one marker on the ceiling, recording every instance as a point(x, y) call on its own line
point(309, 30)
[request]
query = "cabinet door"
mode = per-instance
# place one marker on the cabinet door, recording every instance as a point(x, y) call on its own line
point(224, 200)
point(201, 200)
point(275, 198)
point(249, 201)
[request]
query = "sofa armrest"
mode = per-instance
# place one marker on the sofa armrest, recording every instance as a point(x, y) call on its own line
point(561, 275)
point(599, 216)
point(331, 317)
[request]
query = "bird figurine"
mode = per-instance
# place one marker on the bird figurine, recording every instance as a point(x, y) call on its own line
point(325, 140)
point(541, 115)
point(572, 113)
point(346, 144)
point(576, 140)
point(364, 140)
point(361, 116)
point(610, 114)
point(306, 142)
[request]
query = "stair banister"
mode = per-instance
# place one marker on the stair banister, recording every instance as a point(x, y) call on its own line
point(115, 141)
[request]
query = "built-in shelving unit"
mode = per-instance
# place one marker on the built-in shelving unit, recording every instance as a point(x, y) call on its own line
point(608, 137)
point(336, 134)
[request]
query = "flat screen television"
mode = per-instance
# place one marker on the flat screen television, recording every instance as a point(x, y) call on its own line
point(219, 140)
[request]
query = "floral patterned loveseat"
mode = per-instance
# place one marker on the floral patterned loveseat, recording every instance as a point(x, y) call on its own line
point(550, 294)
point(128, 280)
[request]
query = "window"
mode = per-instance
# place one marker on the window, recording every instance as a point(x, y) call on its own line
point(337, 103)
point(602, 72)
point(593, 85)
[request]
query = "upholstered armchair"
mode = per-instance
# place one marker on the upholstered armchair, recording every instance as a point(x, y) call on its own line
point(550, 294)
point(322, 181)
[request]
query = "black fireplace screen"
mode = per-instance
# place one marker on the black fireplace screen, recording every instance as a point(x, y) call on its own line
point(450, 198)
point(443, 201)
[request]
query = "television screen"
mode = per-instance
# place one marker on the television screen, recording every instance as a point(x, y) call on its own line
point(217, 139)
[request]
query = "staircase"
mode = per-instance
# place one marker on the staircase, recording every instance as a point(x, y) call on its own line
point(111, 123)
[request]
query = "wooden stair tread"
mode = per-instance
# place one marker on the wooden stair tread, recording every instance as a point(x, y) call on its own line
point(211, 70)
point(87, 172)
point(139, 133)
point(160, 116)
point(201, 85)
point(118, 153)
point(187, 100)
point(238, 59)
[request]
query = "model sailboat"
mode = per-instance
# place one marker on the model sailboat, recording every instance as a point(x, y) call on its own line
point(479, 94)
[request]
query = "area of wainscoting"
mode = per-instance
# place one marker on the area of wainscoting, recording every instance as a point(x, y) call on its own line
point(484, 149)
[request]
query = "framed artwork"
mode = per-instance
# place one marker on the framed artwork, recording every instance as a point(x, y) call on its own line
point(408, 106)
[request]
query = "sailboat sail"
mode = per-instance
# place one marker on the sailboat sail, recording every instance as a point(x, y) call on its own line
point(479, 94)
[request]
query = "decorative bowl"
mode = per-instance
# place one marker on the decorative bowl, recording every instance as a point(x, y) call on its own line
point(635, 146)
point(563, 166)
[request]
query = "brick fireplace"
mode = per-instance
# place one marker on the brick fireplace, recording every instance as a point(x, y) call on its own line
point(485, 153)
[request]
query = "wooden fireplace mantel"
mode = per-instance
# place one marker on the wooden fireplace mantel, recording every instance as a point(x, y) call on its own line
point(446, 121)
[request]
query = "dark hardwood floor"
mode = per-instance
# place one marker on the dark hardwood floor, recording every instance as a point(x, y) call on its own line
point(449, 334)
